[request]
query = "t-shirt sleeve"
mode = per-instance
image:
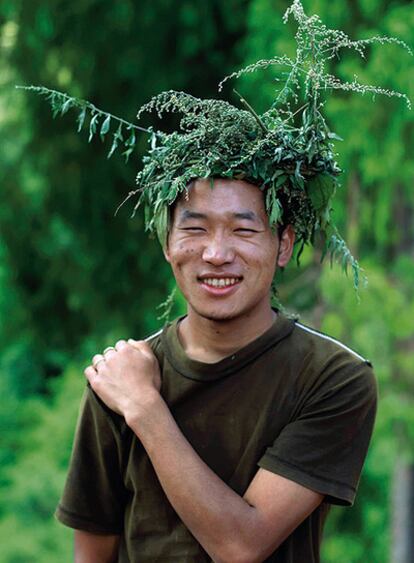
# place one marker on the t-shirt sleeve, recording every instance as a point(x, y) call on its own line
point(324, 447)
point(94, 494)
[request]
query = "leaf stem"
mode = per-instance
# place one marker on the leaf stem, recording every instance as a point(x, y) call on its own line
point(252, 111)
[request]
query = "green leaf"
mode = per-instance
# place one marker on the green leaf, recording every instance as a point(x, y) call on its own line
point(92, 127)
point(131, 141)
point(161, 224)
point(275, 213)
point(105, 127)
point(334, 136)
point(281, 180)
point(277, 173)
point(127, 154)
point(81, 119)
point(117, 139)
point(65, 106)
point(320, 189)
point(345, 263)
point(118, 133)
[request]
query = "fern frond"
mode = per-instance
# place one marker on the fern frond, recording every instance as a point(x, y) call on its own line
point(61, 103)
point(339, 251)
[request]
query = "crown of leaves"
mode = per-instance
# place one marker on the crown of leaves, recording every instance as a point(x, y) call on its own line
point(288, 151)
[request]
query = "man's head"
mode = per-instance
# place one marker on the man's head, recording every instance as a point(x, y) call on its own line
point(222, 250)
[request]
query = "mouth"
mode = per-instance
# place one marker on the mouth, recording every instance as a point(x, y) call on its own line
point(220, 285)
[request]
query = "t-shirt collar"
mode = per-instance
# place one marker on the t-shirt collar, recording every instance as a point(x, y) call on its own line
point(200, 371)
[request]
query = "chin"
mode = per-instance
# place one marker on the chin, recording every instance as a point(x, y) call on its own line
point(218, 313)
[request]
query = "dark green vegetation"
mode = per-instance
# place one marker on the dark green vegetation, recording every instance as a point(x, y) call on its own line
point(287, 151)
point(74, 278)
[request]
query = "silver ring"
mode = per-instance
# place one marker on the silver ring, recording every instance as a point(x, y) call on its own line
point(108, 348)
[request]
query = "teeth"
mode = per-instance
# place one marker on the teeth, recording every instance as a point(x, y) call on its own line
point(220, 282)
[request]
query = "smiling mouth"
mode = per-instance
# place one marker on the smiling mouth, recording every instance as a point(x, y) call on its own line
point(220, 282)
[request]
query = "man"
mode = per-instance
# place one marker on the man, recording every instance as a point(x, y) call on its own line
point(227, 436)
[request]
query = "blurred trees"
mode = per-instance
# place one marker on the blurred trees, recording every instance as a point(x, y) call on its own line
point(74, 278)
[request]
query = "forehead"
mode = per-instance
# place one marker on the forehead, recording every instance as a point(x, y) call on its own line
point(224, 197)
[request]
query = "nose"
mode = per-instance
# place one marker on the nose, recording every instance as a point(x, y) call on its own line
point(218, 251)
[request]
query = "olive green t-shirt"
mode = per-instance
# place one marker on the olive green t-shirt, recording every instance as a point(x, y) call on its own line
point(294, 401)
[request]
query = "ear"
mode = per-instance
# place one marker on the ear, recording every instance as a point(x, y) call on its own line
point(286, 243)
point(166, 251)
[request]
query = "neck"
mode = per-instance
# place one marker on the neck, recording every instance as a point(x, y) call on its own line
point(210, 341)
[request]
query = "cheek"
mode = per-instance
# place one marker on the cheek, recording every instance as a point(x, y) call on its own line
point(262, 255)
point(181, 253)
point(262, 266)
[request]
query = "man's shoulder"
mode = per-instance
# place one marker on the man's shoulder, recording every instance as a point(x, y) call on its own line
point(320, 345)
point(323, 364)
point(154, 338)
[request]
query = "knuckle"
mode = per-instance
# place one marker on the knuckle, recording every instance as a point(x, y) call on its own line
point(89, 371)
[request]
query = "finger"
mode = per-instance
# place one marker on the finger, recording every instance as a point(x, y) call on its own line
point(96, 359)
point(107, 349)
point(90, 374)
point(109, 353)
point(120, 345)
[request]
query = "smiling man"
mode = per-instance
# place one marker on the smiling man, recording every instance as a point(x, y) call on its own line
point(226, 436)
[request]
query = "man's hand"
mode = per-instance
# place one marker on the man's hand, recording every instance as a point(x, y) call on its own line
point(126, 377)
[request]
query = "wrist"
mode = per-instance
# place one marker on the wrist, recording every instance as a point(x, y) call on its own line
point(140, 416)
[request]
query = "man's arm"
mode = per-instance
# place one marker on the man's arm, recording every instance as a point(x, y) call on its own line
point(230, 528)
point(95, 548)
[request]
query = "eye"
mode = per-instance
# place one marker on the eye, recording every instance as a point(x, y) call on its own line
point(241, 230)
point(193, 229)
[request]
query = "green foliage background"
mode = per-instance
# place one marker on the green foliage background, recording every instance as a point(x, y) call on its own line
point(74, 278)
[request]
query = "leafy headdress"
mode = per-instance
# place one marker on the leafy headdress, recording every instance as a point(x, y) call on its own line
point(287, 151)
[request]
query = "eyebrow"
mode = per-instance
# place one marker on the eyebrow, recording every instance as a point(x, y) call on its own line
point(246, 215)
point(249, 215)
point(187, 214)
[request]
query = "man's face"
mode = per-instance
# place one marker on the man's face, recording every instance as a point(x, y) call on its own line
point(222, 250)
